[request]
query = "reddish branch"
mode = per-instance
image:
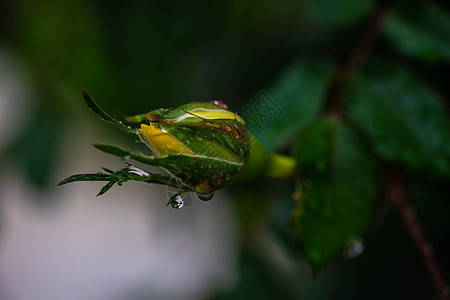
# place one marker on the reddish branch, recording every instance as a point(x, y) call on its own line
point(395, 190)
point(396, 193)
point(357, 57)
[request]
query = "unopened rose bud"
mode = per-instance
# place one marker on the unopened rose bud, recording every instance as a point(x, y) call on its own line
point(201, 143)
point(204, 145)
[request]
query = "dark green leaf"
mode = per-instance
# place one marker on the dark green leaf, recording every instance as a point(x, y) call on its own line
point(420, 29)
point(404, 118)
point(338, 13)
point(335, 198)
point(292, 101)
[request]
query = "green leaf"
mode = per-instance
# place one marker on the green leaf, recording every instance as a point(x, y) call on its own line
point(338, 13)
point(291, 102)
point(420, 29)
point(405, 119)
point(337, 187)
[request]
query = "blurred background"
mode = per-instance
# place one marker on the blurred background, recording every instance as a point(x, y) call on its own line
point(136, 56)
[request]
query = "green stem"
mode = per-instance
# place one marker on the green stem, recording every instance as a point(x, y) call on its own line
point(263, 163)
point(280, 167)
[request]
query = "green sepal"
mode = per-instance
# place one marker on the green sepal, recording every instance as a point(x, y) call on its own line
point(106, 188)
point(206, 175)
point(121, 176)
point(105, 117)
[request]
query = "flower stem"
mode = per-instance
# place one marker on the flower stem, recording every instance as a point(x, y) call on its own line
point(280, 167)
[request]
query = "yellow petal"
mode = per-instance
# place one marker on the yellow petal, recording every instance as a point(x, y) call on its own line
point(216, 114)
point(162, 142)
point(209, 114)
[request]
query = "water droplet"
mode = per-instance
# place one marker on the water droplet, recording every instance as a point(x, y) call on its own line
point(199, 138)
point(228, 177)
point(180, 197)
point(219, 103)
point(355, 249)
point(205, 196)
point(177, 202)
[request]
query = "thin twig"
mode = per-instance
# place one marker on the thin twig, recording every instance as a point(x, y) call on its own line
point(397, 195)
point(357, 57)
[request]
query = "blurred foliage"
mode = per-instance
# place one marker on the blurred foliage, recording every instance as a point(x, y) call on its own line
point(405, 119)
point(420, 29)
point(299, 93)
point(138, 56)
point(338, 13)
point(337, 190)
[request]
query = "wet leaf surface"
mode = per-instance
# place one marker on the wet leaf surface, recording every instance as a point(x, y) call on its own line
point(420, 29)
point(336, 191)
point(289, 103)
point(404, 118)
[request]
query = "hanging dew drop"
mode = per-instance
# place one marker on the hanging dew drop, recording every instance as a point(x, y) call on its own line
point(355, 249)
point(180, 197)
point(205, 196)
point(177, 202)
